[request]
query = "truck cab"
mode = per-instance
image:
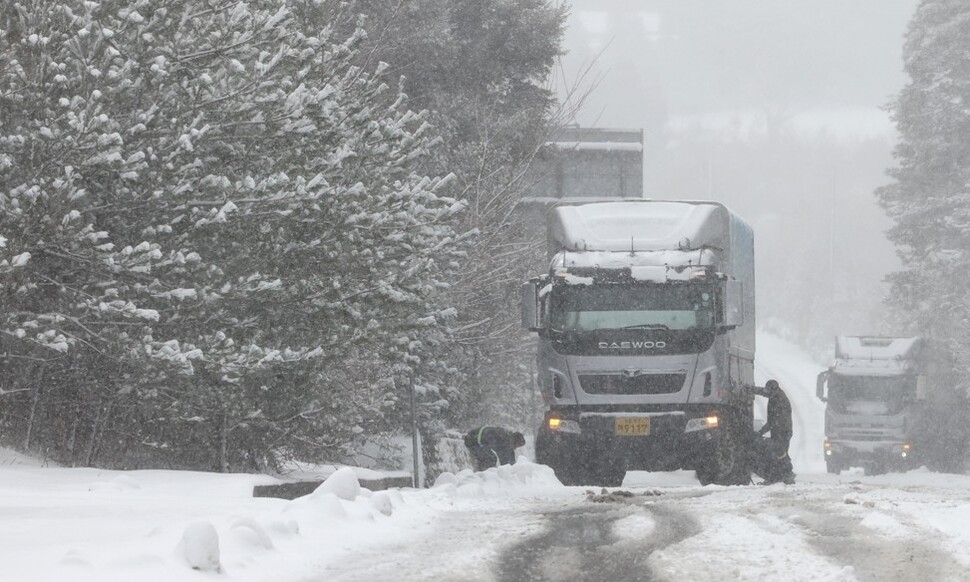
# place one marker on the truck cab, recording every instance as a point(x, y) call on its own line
point(645, 329)
point(872, 394)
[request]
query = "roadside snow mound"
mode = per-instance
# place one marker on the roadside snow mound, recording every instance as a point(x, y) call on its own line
point(524, 477)
point(343, 483)
point(200, 547)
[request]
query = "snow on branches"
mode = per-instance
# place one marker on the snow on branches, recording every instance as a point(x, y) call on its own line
point(199, 204)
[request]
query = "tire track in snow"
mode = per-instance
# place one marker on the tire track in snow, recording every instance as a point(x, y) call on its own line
point(842, 536)
point(803, 533)
point(460, 545)
point(582, 544)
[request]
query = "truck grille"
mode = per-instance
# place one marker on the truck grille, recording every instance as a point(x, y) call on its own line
point(867, 437)
point(644, 384)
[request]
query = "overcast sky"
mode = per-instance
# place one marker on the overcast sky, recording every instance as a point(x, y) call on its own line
point(660, 58)
point(776, 109)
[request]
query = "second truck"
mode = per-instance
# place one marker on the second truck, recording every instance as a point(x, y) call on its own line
point(646, 348)
point(873, 393)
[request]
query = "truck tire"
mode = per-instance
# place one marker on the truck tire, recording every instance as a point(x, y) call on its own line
point(608, 473)
point(549, 453)
point(707, 473)
point(727, 463)
point(580, 465)
point(719, 466)
point(731, 455)
point(569, 476)
point(591, 466)
point(833, 466)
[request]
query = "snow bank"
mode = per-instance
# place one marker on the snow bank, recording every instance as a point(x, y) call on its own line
point(87, 525)
point(522, 478)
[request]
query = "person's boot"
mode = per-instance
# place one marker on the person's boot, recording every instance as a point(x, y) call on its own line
point(788, 475)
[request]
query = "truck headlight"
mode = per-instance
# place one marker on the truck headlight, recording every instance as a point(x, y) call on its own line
point(559, 424)
point(703, 423)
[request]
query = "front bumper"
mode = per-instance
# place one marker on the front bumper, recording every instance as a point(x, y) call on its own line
point(889, 452)
point(668, 445)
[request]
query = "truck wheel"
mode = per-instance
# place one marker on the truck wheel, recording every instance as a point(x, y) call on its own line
point(597, 467)
point(726, 464)
point(731, 465)
point(550, 454)
point(543, 448)
point(569, 476)
point(579, 465)
point(573, 465)
point(609, 474)
point(833, 466)
point(706, 474)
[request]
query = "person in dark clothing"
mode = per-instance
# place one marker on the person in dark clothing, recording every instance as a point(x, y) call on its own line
point(490, 446)
point(772, 461)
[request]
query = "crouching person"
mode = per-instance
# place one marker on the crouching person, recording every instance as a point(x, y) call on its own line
point(490, 446)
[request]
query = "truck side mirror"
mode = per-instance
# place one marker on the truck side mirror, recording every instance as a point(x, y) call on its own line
point(820, 386)
point(733, 303)
point(921, 386)
point(530, 305)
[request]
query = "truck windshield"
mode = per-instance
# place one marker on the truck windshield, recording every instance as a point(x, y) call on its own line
point(632, 306)
point(892, 390)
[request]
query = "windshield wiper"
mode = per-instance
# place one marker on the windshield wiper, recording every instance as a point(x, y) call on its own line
point(645, 326)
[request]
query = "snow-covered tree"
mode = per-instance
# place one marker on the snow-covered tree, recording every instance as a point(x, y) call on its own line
point(480, 67)
point(216, 199)
point(929, 198)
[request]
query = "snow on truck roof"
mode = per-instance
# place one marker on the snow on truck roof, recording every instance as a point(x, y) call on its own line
point(655, 266)
point(603, 146)
point(639, 225)
point(875, 354)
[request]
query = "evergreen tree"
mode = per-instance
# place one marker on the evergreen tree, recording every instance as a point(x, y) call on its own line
point(214, 225)
point(929, 202)
point(480, 68)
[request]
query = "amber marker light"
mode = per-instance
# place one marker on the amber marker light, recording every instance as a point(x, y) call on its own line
point(555, 422)
point(711, 421)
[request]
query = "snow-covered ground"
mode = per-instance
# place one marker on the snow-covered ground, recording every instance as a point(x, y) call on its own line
point(511, 523)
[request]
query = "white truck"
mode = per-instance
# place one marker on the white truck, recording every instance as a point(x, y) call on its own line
point(646, 340)
point(872, 393)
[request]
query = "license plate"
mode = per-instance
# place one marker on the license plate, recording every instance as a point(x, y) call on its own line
point(633, 426)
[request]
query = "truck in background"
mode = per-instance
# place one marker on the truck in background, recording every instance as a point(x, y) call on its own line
point(577, 165)
point(872, 392)
point(579, 162)
point(646, 342)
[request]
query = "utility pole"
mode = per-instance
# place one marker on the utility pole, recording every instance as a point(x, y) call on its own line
point(415, 448)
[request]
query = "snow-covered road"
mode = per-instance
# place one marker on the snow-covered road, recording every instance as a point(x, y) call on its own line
point(894, 528)
point(514, 523)
point(826, 527)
